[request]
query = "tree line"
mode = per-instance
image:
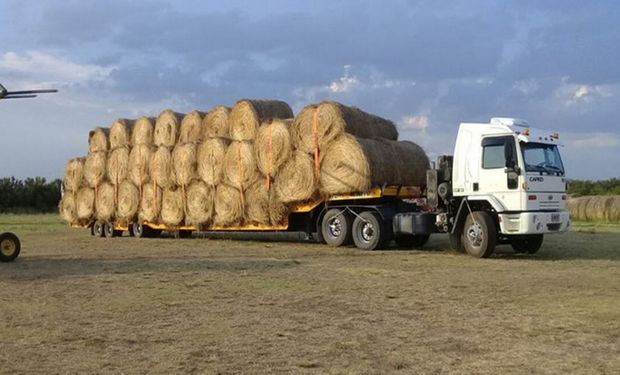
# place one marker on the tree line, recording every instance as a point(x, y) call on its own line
point(600, 187)
point(32, 195)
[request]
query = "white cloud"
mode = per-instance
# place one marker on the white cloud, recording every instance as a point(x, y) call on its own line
point(346, 83)
point(420, 123)
point(589, 141)
point(573, 94)
point(526, 87)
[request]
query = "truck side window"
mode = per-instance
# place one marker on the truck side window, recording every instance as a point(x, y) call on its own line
point(493, 156)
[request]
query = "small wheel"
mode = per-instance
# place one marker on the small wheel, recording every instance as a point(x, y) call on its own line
point(529, 244)
point(479, 234)
point(336, 227)
point(110, 232)
point(98, 229)
point(369, 233)
point(9, 247)
point(140, 230)
point(412, 241)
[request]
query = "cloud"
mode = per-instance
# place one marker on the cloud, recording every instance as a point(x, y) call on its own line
point(346, 83)
point(590, 141)
point(420, 123)
point(574, 94)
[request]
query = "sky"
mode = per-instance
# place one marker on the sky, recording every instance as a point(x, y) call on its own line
point(426, 65)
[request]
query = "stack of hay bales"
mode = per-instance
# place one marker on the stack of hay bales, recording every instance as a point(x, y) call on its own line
point(244, 165)
point(600, 208)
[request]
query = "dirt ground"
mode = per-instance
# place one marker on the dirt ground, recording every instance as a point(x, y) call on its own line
point(76, 304)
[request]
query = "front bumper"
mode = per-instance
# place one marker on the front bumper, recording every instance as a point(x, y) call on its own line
point(534, 222)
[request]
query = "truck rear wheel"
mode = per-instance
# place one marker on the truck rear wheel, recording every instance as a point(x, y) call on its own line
point(412, 241)
point(529, 244)
point(9, 247)
point(336, 227)
point(369, 233)
point(479, 234)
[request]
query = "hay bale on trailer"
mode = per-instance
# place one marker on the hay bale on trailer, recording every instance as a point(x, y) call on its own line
point(120, 133)
point(184, 163)
point(200, 200)
point(161, 167)
point(273, 146)
point(85, 203)
point(118, 165)
point(228, 205)
point(95, 168)
point(167, 128)
point(74, 174)
point(172, 207)
point(139, 164)
point(150, 203)
point(246, 115)
point(191, 127)
point(296, 181)
point(105, 202)
point(98, 140)
point(239, 164)
point(142, 133)
point(210, 160)
point(216, 124)
point(128, 202)
point(68, 208)
point(261, 205)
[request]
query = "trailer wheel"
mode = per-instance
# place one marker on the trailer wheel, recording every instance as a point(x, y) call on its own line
point(336, 227)
point(140, 230)
point(527, 244)
point(9, 247)
point(479, 234)
point(369, 233)
point(110, 232)
point(412, 241)
point(98, 229)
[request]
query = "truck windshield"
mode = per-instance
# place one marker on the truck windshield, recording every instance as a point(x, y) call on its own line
point(541, 157)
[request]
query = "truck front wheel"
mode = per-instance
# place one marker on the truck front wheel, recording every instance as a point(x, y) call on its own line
point(9, 247)
point(479, 234)
point(336, 227)
point(369, 233)
point(529, 244)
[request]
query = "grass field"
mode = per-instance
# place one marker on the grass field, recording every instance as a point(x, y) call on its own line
point(76, 304)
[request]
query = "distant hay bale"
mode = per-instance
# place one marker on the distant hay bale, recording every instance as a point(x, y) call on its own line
point(210, 160)
point(98, 140)
point(599, 208)
point(142, 133)
point(216, 123)
point(118, 165)
point(295, 181)
point(184, 163)
point(128, 202)
point(228, 205)
point(240, 164)
point(85, 203)
point(200, 199)
point(167, 128)
point(139, 164)
point(172, 207)
point(573, 206)
point(613, 210)
point(150, 203)
point(261, 206)
point(161, 167)
point(272, 146)
point(74, 174)
point(246, 116)
point(333, 119)
point(105, 202)
point(120, 133)
point(191, 127)
point(582, 208)
point(67, 207)
point(95, 168)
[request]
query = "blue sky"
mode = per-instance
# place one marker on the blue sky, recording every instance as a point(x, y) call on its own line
point(427, 65)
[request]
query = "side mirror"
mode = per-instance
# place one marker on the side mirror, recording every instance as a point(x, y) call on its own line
point(509, 154)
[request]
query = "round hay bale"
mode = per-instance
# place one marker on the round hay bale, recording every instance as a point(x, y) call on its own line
point(261, 205)
point(228, 206)
point(142, 133)
point(172, 207)
point(105, 202)
point(598, 208)
point(67, 207)
point(295, 181)
point(95, 168)
point(120, 133)
point(98, 140)
point(210, 159)
point(161, 167)
point(581, 209)
point(74, 174)
point(128, 201)
point(273, 146)
point(344, 167)
point(613, 210)
point(85, 203)
point(118, 165)
point(333, 119)
point(200, 200)
point(240, 164)
point(184, 163)
point(573, 207)
point(166, 128)
point(139, 164)
point(216, 123)
point(246, 116)
point(591, 208)
point(150, 203)
point(191, 127)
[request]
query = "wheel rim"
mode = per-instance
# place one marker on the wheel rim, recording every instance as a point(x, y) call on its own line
point(335, 227)
point(368, 231)
point(475, 235)
point(98, 229)
point(8, 247)
point(137, 230)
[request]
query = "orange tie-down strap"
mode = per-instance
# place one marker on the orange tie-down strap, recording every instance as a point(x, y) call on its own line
point(269, 156)
point(240, 168)
point(315, 136)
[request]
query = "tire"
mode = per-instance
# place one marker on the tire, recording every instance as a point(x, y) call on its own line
point(529, 244)
point(369, 232)
point(412, 241)
point(110, 232)
point(336, 227)
point(140, 230)
point(9, 247)
point(479, 234)
point(98, 229)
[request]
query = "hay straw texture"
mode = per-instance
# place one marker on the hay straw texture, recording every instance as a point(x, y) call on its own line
point(167, 128)
point(191, 127)
point(246, 116)
point(261, 206)
point(67, 208)
point(333, 119)
point(210, 159)
point(105, 202)
point(128, 201)
point(74, 174)
point(139, 164)
point(595, 208)
point(150, 203)
point(98, 140)
point(216, 123)
point(142, 133)
point(228, 206)
point(120, 133)
point(85, 203)
point(272, 146)
point(95, 168)
point(295, 181)
point(172, 207)
point(200, 198)
point(161, 167)
point(118, 165)
point(240, 164)
point(184, 163)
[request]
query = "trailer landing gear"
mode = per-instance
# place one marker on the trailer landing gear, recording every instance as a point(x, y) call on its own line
point(9, 247)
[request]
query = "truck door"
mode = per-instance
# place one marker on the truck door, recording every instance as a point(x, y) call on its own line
point(499, 171)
